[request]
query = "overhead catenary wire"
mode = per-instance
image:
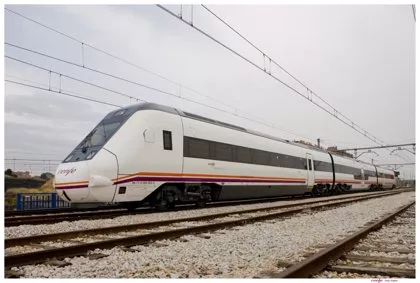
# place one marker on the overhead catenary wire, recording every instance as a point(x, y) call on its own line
point(31, 153)
point(259, 121)
point(333, 113)
point(271, 60)
point(146, 70)
point(84, 44)
point(29, 159)
point(91, 69)
point(66, 93)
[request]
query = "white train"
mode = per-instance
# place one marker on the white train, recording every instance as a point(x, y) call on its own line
point(164, 156)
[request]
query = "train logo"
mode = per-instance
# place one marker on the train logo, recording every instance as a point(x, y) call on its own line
point(65, 172)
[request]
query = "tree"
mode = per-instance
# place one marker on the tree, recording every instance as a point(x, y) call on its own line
point(47, 176)
point(9, 172)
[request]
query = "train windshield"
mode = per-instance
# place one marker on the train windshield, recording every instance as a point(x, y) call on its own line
point(99, 135)
point(97, 138)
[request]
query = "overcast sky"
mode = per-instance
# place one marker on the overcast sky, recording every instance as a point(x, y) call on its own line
point(361, 59)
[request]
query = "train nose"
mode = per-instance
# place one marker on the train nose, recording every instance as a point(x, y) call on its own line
point(101, 182)
point(101, 188)
point(71, 181)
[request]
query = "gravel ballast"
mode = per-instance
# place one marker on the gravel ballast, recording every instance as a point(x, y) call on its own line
point(397, 235)
point(244, 251)
point(66, 226)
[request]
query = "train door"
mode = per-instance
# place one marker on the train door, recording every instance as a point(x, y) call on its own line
point(363, 182)
point(310, 170)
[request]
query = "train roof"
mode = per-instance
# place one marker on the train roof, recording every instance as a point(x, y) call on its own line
point(172, 110)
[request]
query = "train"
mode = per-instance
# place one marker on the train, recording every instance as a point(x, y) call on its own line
point(162, 156)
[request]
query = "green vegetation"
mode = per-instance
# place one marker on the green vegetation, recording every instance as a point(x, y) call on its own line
point(9, 173)
point(11, 192)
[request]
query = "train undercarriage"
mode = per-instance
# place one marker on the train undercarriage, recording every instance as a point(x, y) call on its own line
point(170, 195)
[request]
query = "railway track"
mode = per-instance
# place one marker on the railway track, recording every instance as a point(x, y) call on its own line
point(25, 213)
point(55, 217)
point(73, 215)
point(16, 213)
point(369, 252)
point(37, 249)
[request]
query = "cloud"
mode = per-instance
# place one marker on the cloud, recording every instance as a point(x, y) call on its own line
point(358, 58)
point(50, 106)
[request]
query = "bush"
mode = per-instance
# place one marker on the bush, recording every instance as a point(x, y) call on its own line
point(47, 176)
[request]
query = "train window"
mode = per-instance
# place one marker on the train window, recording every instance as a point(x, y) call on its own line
point(274, 159)
point(328, 166)
point(224, 152)
point(91, 154)
point(198, 148)
point(122, 190)
point(167, 140)
point(366, 175)
point(68, 158)
point(301, 163)
point(282, 161)
point(288, 161)
point(293, 162)
point(120, 112)
point(358, 174)
point(260, 157)
point(244, 155)
point(310, 164)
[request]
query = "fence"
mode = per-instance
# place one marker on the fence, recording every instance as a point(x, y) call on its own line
point(28, 201)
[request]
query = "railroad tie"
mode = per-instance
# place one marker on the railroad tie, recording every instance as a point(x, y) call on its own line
point(383, 249)
point(379, 259)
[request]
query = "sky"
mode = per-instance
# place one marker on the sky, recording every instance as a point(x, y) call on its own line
point(358, 58)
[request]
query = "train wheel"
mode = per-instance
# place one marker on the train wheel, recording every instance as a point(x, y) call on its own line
point(161, 206)
point(315, 191)
point(130, 206)
point(201, 203)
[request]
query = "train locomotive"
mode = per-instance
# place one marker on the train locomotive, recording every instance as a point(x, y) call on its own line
point(149, 153)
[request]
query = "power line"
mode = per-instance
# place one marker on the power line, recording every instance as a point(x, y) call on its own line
point(31, 153)
point(93, 70)
point(84, 44)
point(334, 111)
point(375, 147)
point(278, 65)
point(139, 85)
point(389, 164)
point(26, 159)
point(62, 93)
point(70, 77)
point(46, 165)
point(25, 80)
point(140, 68)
